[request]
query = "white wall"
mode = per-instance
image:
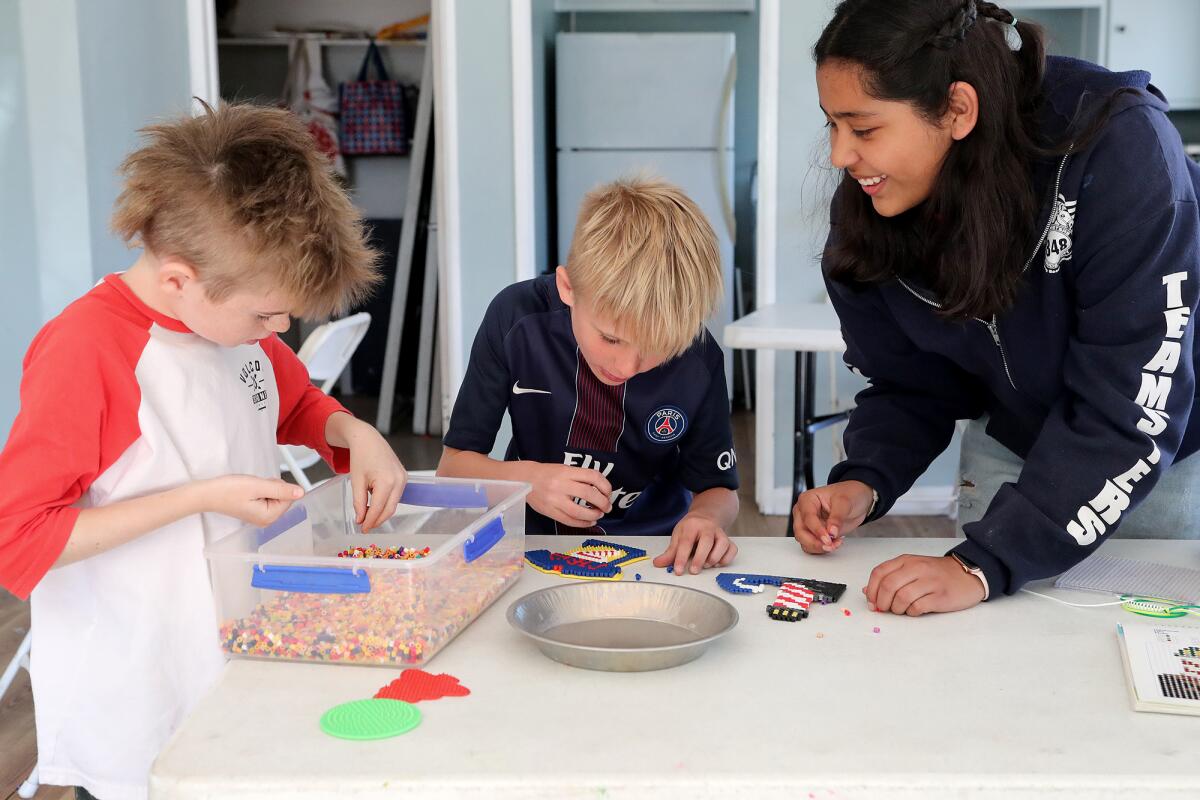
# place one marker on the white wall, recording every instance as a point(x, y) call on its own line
point(77, 80)
point(133, 68)
point(20, 308)
point(49, 53)
point(477, 177)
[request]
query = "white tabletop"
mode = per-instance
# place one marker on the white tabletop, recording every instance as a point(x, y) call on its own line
point(811, 327)
point(1020, 697)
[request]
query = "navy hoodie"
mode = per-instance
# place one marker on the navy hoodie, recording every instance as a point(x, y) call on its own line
point(1089, 377)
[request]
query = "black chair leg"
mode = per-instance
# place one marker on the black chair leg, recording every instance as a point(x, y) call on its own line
point(806, 425)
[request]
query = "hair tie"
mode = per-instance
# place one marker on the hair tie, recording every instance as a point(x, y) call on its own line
point(1012, 36)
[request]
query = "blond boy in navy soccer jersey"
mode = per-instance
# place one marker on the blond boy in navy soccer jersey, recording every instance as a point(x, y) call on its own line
point(616, 391)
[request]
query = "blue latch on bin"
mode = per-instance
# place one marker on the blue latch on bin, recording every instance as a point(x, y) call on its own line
point(441, 495)
point(311, 580)
point(484, 539)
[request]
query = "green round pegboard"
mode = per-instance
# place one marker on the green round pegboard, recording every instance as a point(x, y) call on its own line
point(370, 719)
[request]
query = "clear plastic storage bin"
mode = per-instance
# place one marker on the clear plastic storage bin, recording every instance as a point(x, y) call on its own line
point(283, 592)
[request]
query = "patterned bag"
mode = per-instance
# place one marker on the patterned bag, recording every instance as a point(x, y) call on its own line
point(374, 121)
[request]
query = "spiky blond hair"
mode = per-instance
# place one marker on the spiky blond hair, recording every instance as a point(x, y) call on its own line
point(242, 195)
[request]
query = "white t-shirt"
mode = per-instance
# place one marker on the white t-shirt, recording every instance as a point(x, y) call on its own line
point(118, 401)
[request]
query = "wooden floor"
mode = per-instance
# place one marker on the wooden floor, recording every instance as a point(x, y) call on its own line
point(17, 744)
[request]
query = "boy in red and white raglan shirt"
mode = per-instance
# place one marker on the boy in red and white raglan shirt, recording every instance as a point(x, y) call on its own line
point(150, 413)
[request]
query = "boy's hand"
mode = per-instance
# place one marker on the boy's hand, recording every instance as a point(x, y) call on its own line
point(702, 540)
point(377, 478)
point(375, 472)
point(824, 515)
point(556, 487)
point(916, 585)
point(257, 501)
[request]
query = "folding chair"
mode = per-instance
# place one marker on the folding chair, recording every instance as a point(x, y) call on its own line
point(21, 659)
point(325, 353)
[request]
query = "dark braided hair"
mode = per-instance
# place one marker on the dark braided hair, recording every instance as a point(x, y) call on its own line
point(955, 29)
point(969, 240)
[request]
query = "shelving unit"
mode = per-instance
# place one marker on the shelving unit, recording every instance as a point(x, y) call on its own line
point(288, 39)
point(254, 50)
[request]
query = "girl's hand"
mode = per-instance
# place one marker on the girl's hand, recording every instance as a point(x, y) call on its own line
point(824, 515)
point(916, 585)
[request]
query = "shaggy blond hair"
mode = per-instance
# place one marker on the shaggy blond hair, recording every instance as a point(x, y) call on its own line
point(241, 194)
point(646, 258)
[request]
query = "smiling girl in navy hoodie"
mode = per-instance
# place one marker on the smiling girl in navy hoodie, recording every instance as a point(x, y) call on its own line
point(1014, 242)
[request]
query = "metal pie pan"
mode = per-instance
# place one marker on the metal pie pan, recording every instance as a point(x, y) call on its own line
point(622, 626)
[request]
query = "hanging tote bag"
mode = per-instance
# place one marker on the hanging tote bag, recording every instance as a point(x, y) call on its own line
point(373, 115)
point(307, 95)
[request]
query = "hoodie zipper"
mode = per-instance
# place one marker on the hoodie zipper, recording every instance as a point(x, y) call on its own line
point(994, 329)
point(1050, 219)
point(993, 326)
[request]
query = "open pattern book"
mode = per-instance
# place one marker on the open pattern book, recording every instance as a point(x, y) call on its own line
point(1162, 664)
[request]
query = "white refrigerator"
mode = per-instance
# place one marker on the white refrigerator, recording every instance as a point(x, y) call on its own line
point(659, 103)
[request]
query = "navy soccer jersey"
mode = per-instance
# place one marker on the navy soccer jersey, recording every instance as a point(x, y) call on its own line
point(657, 438)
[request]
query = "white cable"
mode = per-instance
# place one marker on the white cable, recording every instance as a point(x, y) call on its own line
point(1073, 605)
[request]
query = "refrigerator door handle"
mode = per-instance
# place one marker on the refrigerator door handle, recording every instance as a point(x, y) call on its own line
point(724, 124)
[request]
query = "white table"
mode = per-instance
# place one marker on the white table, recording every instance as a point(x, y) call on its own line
point(808, 329)
point(1020, 697)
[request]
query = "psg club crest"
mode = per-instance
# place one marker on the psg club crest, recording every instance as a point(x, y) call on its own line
point(666, 425)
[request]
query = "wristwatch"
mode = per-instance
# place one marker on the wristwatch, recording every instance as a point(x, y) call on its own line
point(971, 569)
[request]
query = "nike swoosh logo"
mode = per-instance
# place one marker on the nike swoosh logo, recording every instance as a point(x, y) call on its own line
point(518, 390)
